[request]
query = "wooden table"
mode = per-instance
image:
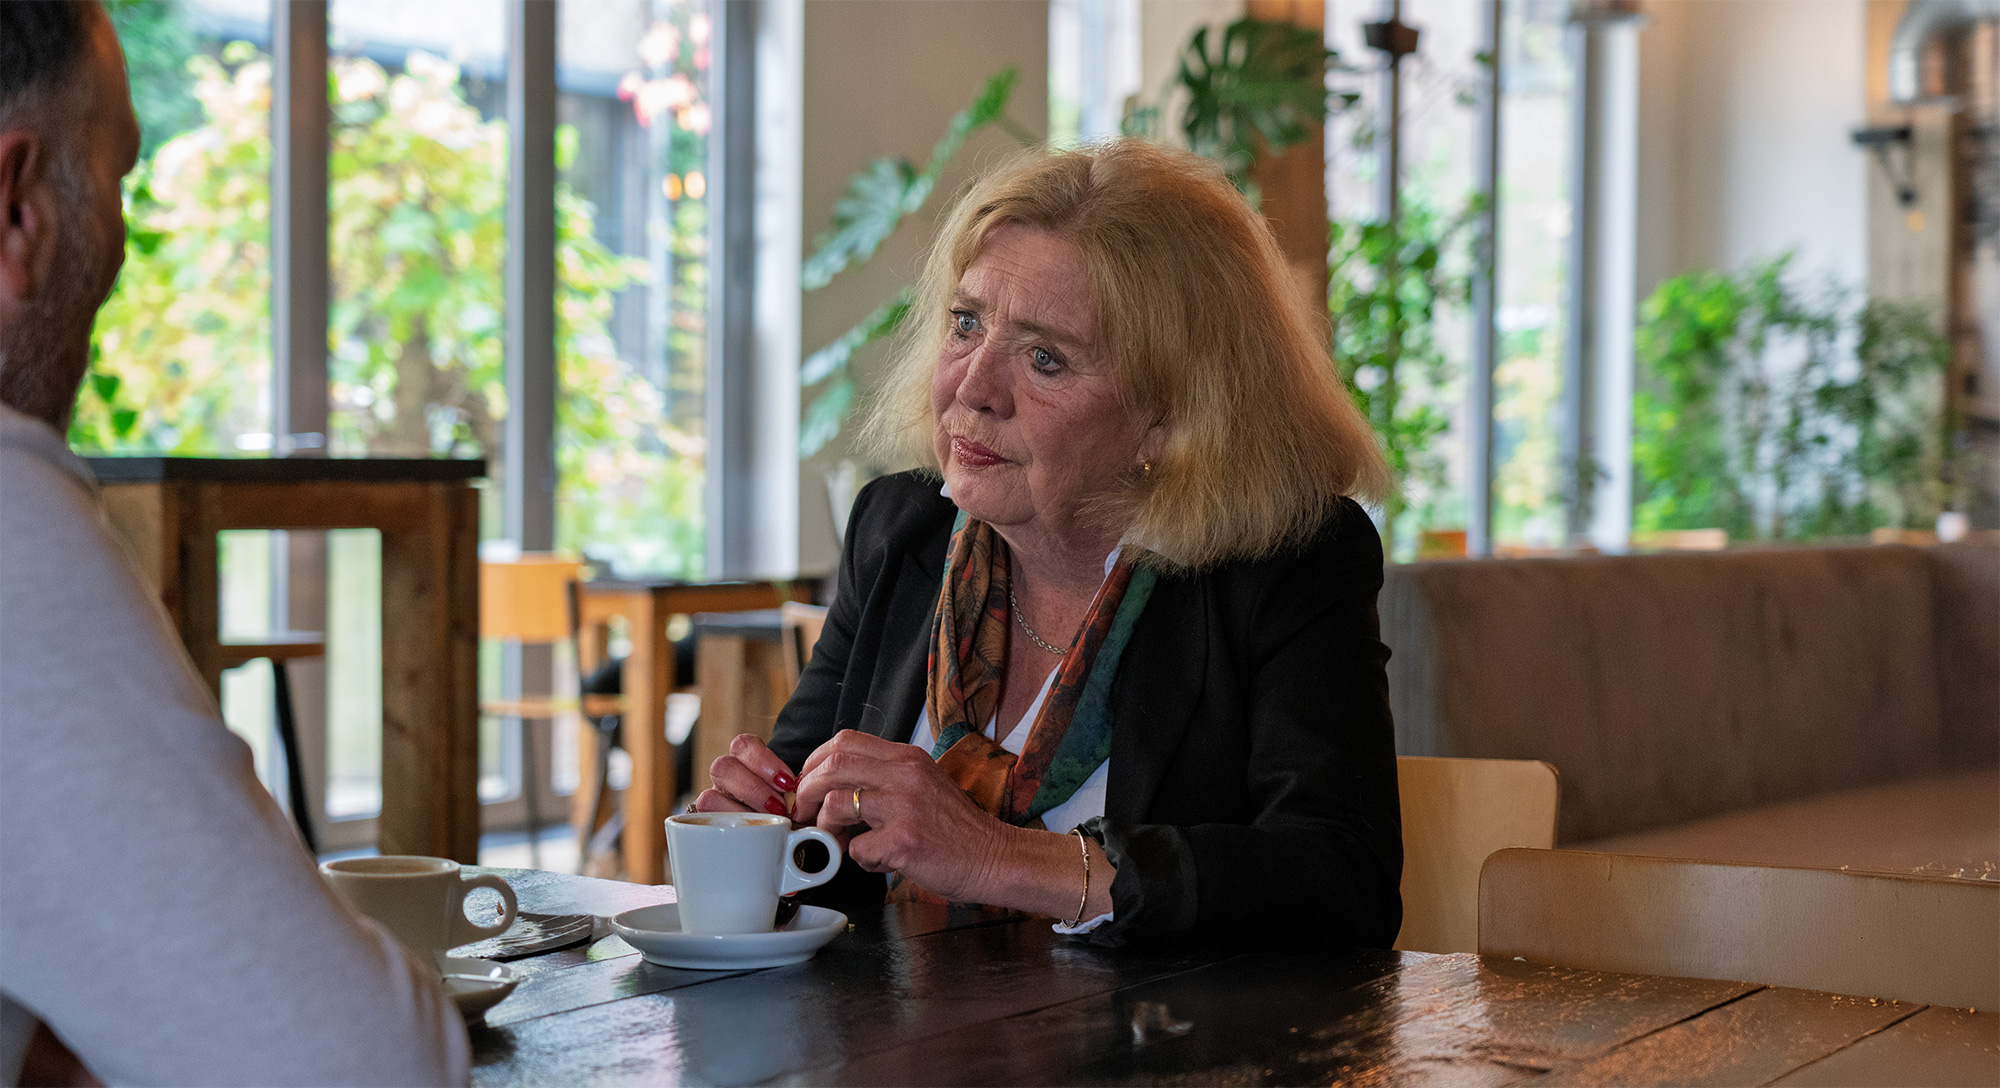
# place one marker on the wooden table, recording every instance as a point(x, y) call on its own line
point(648, 676)
point(926, 995)
point(169, 510)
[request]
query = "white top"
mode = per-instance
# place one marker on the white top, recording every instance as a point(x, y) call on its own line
point(1087, 801)
point(157, 909)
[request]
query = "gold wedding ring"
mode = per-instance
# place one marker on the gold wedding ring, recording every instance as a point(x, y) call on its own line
point(857, 804)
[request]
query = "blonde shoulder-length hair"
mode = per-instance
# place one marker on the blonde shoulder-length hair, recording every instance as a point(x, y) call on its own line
point(1205, 329)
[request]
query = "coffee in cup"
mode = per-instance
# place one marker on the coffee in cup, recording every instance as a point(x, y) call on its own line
point(418, 899)
point(730, 868)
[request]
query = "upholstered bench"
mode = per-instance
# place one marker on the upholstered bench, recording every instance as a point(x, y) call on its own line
point(1817, 706)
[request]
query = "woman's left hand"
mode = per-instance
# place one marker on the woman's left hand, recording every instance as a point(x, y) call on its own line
point(916, 820)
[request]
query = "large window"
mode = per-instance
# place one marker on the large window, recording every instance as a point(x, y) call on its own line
point(1439, 130)
point(1436, 206)
point(1534, 205)
point(634, 227)
point(417, 354)
point(184, 344)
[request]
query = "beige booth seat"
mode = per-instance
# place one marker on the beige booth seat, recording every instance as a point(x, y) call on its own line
point(1814, 706)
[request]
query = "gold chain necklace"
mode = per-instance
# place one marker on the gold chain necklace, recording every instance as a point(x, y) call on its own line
point(1023, 621)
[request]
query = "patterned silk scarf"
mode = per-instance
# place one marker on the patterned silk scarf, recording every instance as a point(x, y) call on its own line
point(1071, 736)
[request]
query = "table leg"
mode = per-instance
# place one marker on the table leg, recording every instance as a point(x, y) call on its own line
point(650, 797)
point(430, 690)
point(587, 804)
point(197, 610)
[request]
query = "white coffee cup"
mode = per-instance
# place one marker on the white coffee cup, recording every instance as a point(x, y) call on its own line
point(731, 867)
point(421, 900)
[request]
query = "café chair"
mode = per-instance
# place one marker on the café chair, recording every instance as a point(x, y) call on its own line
point(800, 625)
point(532, 601)
point(1930, 940)
point(280, 648)
point(1441, 544)
point(1456, 812)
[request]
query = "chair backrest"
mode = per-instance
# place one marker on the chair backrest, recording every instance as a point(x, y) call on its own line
point(802, 625)
point(1455, 813)
point(527, 600)
point(1908, 938)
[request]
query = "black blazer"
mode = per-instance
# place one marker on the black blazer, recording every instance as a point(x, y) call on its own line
point(1252, 790)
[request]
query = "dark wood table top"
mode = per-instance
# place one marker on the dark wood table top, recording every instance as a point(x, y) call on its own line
point(285, 470)
point(927, 995)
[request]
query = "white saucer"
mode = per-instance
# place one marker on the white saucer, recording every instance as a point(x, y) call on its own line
point(474, 996)
point(656, 933)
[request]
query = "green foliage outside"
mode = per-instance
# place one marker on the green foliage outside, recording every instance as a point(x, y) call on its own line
point(1389, 286)
point(157, 45)
point(1775, 414)
point(416, 330)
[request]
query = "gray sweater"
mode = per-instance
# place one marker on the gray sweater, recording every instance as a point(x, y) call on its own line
point(156, 909)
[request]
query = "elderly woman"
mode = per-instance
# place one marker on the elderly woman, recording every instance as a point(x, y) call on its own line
point(1122, 668)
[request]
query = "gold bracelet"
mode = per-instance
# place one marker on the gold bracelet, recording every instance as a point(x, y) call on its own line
point(1082, 844)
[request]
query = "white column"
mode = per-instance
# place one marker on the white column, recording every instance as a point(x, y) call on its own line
point(529, 468)
point(1479, 380)
point(298, 227)
point(1597, 348)
point(754, 379)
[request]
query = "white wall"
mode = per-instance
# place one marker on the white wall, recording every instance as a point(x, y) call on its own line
point(884, 79)
point(1744, 115)
point(1164, 29)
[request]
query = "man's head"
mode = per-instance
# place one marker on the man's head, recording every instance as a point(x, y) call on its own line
point(67, 135)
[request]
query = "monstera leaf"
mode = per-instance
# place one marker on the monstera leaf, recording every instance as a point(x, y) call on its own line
point(879, 197)
point(876, 200)
point(1263, 80)
point(875, 203)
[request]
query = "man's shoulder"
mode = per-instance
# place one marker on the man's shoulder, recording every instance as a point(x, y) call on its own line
point(43, 486)
point(47, 492)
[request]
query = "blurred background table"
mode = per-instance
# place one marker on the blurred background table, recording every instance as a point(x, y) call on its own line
point(742, 671)
point(921, 994)
point(169, 510)
point(645, 606)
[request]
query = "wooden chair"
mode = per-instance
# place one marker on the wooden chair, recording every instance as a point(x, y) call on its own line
point(802, 624)
point(1441, 544)
point(1455, 813)
point(1934, 940)
point(280, 649)
point(532, 601)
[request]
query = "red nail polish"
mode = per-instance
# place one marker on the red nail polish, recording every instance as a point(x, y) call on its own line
point(775, 807)
point(785, 782)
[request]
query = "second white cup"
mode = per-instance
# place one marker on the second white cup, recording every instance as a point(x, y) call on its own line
point(731, 867)
point(421, 900)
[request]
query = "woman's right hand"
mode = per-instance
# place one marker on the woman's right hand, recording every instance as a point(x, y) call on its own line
point(751, 778)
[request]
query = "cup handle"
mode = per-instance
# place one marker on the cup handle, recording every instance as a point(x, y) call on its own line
point(468, 930)
point(797, 879)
